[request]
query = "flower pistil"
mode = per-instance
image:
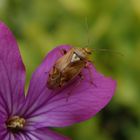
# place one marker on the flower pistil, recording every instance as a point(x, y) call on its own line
point(15, 124)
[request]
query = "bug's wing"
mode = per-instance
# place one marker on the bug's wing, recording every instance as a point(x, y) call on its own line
point(64, 61)
point(72, 70)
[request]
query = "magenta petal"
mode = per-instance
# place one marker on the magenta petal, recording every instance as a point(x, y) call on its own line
point(12, 71)
point(83, 103)
point(21, 136)
point(4, 134)
point(3, 131)
point(38, 92)
point(72, 104)
point(45, 134)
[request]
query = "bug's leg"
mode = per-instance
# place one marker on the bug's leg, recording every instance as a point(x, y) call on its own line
point(76, 85)
point(63, 51)
point(46, 72)
point(91, 76)
point(81, 76)
point(60, 86)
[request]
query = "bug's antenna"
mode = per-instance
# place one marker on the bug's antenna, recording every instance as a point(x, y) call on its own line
point(107, 50)
point(87, 30)
point(89, 42)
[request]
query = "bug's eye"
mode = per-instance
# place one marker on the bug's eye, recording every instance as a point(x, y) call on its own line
point(75, 58)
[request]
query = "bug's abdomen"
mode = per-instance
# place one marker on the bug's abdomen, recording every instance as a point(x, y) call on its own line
point(72, 71)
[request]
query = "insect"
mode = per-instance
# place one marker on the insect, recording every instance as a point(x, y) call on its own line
point(68, 67)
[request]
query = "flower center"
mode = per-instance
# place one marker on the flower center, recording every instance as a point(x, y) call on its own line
point(15, 124)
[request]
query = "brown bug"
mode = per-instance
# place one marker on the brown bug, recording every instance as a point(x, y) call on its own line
point(68, 67)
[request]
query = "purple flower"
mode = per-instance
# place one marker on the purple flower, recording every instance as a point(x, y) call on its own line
point(30, 117)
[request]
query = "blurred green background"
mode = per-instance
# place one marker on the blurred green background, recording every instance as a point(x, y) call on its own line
point(40, 25)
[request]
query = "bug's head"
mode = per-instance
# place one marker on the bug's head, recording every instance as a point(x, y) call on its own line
point(87, 51)
point(83, 53)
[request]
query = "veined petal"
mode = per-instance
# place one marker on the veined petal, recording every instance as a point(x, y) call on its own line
point(39, 134)
point(38, 92)
point(12, 71)
point(77, 102)
point(45, 134)
point(22, 136)
point(4, 135)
